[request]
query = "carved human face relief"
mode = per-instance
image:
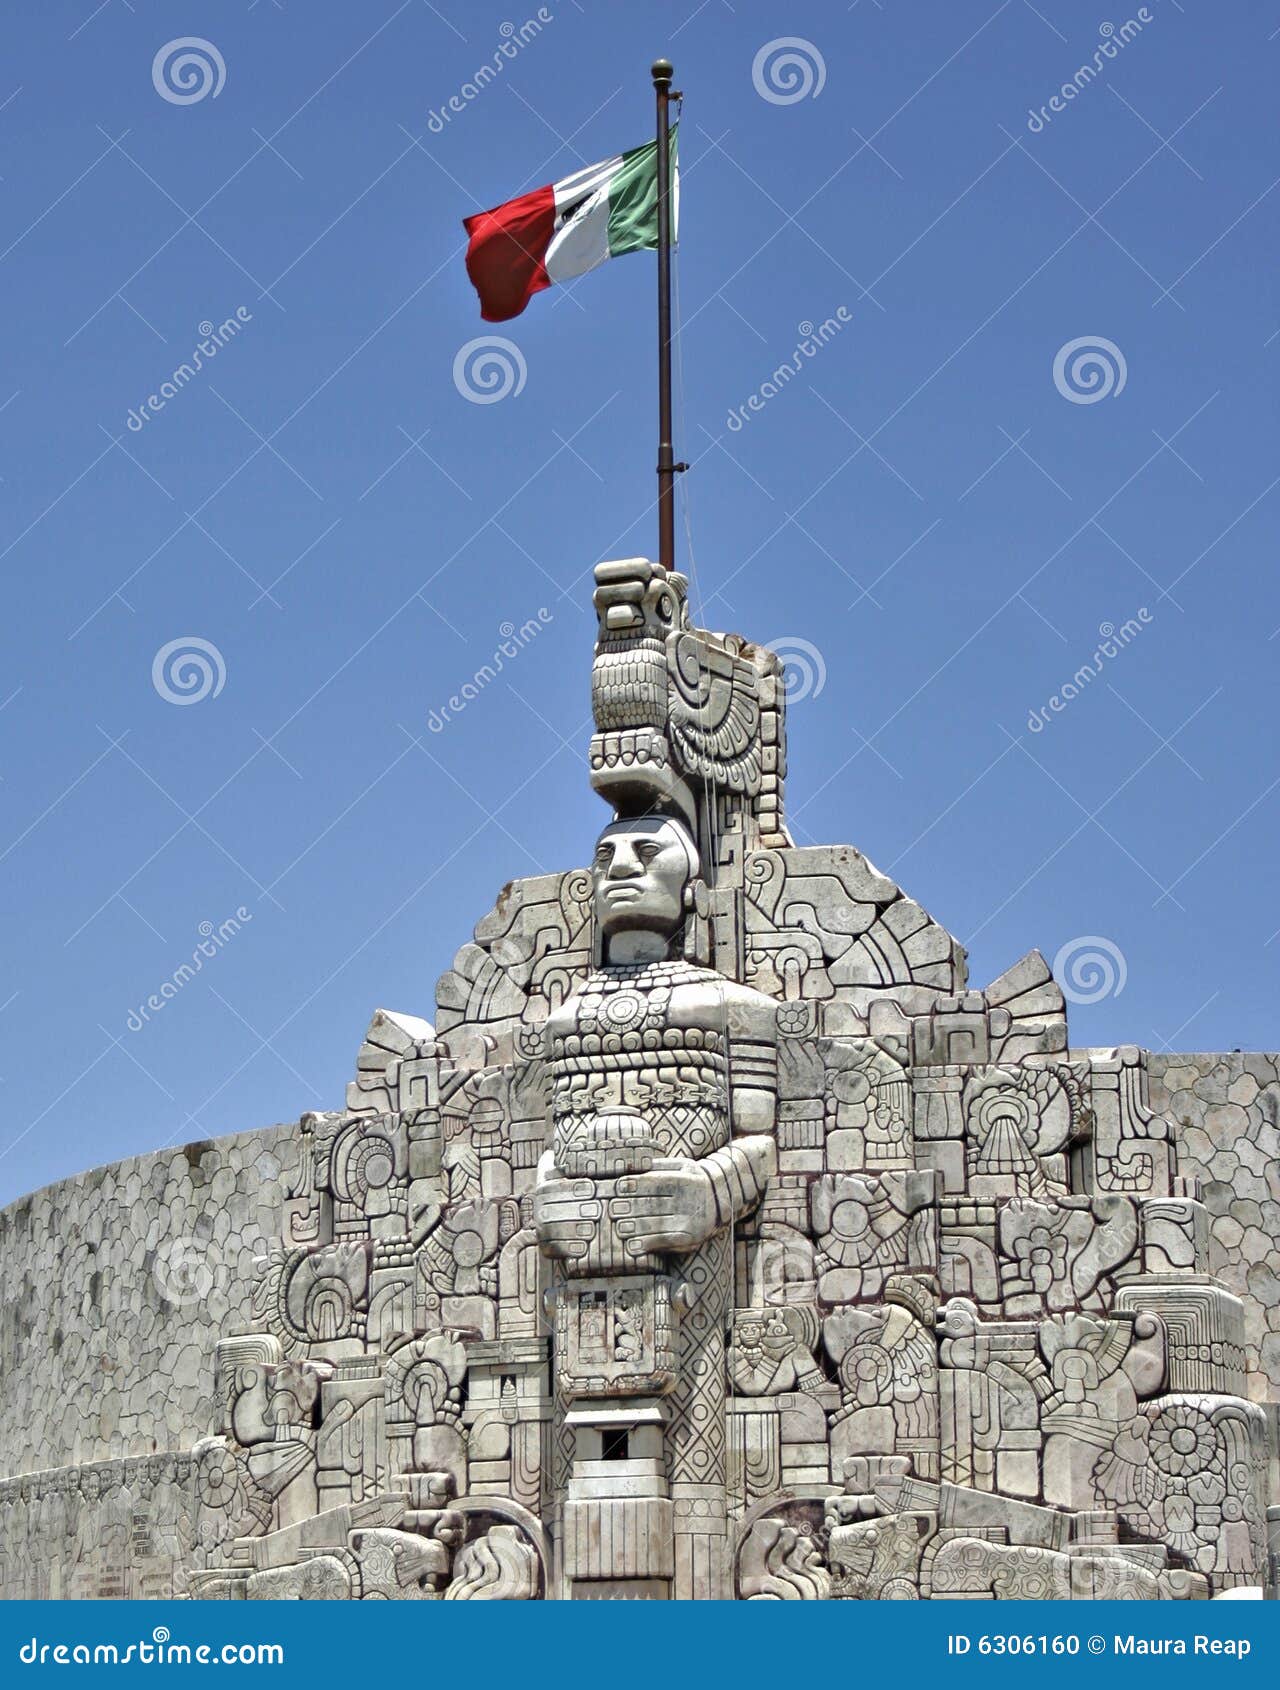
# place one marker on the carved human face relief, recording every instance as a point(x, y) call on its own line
point(641, 869)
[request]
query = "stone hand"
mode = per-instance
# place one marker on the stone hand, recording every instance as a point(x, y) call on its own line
point(566, 1213)
point(670, 1208)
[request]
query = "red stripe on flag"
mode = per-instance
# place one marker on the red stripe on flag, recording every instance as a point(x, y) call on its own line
point(508, 245)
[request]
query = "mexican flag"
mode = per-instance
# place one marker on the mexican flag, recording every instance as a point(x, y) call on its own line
point(566, 229)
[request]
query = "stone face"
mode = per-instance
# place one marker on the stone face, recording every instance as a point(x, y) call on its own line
point(714, 1238)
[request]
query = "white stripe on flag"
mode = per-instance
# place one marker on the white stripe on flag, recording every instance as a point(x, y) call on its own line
point(583, 241)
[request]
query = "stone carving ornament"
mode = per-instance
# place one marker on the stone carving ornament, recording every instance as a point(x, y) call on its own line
point(720, 1241)
point(717, 1239)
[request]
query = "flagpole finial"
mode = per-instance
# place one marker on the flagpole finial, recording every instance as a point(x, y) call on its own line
point(662, 71)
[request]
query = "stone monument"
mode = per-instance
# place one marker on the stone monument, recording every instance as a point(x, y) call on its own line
point(716, 1239)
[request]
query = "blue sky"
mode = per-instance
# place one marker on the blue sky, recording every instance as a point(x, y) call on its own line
point(943, 522)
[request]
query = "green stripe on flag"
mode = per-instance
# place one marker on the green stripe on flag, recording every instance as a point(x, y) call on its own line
point(633, 199)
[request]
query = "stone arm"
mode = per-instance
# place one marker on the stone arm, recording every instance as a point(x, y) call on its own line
point(674, 1207)
point(753, 1062)
point(740, 1172)
point(739, 1175)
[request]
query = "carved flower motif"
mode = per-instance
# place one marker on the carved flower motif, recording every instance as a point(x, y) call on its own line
point(1183, 1442)
point(793, 1019)
point(219, 1484)
point(1042, 1256)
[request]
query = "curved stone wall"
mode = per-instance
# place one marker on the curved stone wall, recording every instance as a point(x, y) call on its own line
point(117, 1284)
point(1226, 1106)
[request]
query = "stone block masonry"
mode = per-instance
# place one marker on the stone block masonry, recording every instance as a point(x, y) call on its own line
point(117, 1285)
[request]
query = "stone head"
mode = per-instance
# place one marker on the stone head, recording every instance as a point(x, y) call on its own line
point(643, 868)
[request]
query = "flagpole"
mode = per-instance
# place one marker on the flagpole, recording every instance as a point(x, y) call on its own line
point(662, 72)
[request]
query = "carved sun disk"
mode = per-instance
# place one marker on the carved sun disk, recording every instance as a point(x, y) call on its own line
point(850, 1219)
point(468, 1249)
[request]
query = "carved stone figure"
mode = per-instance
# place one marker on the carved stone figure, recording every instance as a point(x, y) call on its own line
point(663, 1098)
